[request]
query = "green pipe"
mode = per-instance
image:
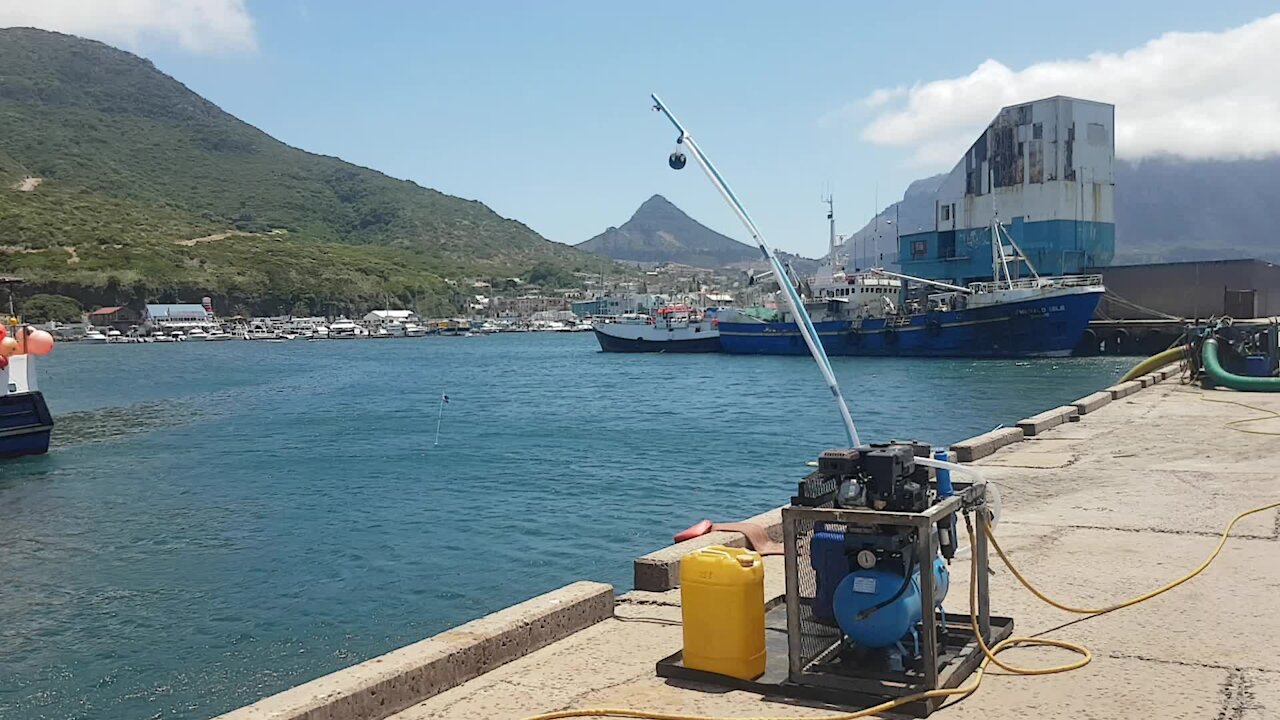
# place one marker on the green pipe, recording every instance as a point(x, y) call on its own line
point(1155, 362)
point(1219, 376)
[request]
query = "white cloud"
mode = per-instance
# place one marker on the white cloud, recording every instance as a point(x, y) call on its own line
point(1194, 95)
point(201, 26)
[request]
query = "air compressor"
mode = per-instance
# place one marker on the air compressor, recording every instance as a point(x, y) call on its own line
point(867, 578)
point(868, 538)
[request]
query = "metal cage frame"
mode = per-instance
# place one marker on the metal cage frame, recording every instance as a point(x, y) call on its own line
point(925, 550)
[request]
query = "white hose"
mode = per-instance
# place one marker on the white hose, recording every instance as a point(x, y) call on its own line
point(994, 503)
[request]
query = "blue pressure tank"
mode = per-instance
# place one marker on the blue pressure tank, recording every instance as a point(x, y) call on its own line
point(864, 589)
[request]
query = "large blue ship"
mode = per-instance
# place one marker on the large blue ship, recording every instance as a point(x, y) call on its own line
point(978, 286)
point(1043, 318)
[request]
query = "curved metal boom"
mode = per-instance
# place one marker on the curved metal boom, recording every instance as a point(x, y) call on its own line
point(807, 330)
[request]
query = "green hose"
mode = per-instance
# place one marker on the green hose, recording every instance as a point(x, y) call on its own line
point(1156, 362)
point(1219, 376)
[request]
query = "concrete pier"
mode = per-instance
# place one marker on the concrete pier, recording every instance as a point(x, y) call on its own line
point(1129, 497)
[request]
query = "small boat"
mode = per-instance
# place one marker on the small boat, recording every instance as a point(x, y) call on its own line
point(677, 329)
point(94, 337)
point(344, 329)
point(414, 330)
point(381, 333)
point(115, 337)
point(177, 336)
point(197, 334)
point(217, 335)
point(25, 421)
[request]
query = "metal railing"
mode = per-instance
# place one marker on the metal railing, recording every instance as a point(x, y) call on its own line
point(1035, 283)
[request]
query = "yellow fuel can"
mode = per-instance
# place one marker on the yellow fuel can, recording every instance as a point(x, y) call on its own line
point(722, 607)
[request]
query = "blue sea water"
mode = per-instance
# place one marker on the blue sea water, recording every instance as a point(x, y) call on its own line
point(217, 522)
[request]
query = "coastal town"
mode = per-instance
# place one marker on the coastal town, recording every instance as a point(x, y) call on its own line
point(485, 306)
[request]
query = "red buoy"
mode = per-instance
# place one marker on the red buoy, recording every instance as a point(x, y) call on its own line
point(701, 528)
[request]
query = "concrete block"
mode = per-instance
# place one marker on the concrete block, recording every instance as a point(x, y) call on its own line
point(976, 448)
point(1124, 389)
point(1037, 424)
point(1148, 380)
point(1090, 403)
point(387, 684)
point(659, 570)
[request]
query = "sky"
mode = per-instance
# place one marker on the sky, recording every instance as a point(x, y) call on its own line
point(541, 109)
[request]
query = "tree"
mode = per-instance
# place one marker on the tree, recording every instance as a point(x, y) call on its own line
point(43, 308)
point(551, 276)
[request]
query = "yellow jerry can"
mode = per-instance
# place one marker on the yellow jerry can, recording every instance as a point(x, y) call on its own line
point(722, 607)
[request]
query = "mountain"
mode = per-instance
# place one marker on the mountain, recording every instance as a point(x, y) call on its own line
point(1169, 209)
point(660, 232)
point(117, 182)
point(876, 243)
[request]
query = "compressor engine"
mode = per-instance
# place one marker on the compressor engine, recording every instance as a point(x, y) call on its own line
point(867, 581)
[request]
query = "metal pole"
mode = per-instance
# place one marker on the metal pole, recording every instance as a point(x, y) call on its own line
point(807, 330)
point(980, 569)
point(925, 554)
point(439, 419)
point(795, 668)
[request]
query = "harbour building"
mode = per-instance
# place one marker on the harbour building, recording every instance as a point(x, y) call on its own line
point(1044, 168)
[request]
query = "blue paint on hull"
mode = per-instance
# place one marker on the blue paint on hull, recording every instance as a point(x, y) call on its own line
point(25, 425)
point(1044, 327)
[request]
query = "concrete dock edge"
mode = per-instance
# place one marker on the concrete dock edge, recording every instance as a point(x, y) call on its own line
point(1037, 424)
point(659, 570)
point(985, 444)
point(389, 683)
point(1091, 402)
point(1124, 389)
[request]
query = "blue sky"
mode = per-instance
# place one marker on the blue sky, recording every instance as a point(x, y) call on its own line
point(541, 111)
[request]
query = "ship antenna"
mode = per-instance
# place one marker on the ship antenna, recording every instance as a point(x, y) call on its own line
point(807, 331)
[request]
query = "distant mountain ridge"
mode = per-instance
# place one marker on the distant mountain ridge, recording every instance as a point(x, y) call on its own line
point(148, 191)
point(660, 232)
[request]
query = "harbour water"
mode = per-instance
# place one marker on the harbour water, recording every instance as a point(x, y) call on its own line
point(217, 522)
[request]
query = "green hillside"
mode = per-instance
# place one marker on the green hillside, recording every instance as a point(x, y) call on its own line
point(133, 166)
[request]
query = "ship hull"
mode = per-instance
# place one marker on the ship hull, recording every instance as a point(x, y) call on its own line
point(1041, 327)
point(25, 425)
point(650, 339)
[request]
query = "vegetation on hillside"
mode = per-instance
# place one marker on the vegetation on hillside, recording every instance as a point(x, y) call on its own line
point(135, 166)
point(42, 308)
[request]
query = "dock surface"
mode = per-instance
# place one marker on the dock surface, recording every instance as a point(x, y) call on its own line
point(1127, 498)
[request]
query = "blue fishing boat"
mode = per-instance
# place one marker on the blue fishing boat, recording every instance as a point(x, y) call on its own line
point(1018, 313)
point(1030, 319)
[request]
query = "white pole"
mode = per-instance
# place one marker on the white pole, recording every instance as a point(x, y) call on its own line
point(807, 330)
point(439, 419)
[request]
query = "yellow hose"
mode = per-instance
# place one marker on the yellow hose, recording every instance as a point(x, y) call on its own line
point(1155, 362)
point(989, 652)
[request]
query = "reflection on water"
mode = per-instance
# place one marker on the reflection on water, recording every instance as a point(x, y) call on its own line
point(218, 522)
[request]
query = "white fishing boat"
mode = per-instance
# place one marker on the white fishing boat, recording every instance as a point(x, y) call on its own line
point(676, 329)
point(196, 333)
point(414, 330)
point(344, 329)
point(94, 337)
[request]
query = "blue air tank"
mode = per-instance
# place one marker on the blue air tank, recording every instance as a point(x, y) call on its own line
point(864, 589)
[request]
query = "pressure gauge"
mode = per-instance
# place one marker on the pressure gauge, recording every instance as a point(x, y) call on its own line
point(866, 559)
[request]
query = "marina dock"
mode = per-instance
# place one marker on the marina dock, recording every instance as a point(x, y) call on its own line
point(1103, 499)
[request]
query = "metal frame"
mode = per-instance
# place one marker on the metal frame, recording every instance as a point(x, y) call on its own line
point(967, 494)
